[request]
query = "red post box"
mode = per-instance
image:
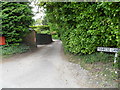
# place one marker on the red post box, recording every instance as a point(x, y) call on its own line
point(2, 40)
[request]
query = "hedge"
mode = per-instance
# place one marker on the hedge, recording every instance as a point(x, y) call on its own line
point(16, 18)
point(40, 28)
point(83, 26)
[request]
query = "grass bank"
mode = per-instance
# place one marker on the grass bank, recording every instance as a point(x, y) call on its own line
point(101, 66)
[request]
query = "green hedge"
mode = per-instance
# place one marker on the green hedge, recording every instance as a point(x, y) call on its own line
point(83, 26)
point(40, 28)
point(16, 18)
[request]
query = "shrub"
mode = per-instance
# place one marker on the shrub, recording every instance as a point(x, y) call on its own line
point(45, 32)
point(14, 49)
point(83, 27)
point(40, 28)
point(16, 18)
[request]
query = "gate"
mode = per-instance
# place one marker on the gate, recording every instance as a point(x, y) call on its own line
point(43, 39)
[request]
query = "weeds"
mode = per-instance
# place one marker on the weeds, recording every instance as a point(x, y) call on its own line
point(101, 65)
point(98, 57)
point(10, 50)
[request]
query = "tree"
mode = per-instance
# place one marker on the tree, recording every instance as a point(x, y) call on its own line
point(16, 19)
point(38, 21)
point(45, 21)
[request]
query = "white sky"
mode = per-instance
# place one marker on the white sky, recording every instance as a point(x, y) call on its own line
point(35, 10)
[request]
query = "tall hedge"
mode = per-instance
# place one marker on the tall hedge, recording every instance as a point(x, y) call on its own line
point(16, 18)
point(84, 26)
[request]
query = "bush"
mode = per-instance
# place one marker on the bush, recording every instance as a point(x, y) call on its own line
point(45, 29)
point(45, 32)
point(83, 27)
point(16, 18)
point(55, 36)
point(14, 49)
point(40, 28)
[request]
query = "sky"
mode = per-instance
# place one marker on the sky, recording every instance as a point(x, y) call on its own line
point(35, 10)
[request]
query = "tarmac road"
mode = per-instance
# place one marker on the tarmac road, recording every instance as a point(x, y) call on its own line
point(44, 68)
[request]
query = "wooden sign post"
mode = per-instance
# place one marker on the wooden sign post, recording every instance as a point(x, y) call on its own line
point(106, 49)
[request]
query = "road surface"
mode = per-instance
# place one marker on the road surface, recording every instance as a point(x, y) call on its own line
point(44, 68)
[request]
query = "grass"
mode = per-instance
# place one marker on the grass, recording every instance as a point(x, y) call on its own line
point(8, 51)
point(100, 65)
point(98, 57)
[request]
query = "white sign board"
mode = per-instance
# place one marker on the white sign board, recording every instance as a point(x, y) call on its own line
point(106, 49)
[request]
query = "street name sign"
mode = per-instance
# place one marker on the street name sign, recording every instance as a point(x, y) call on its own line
point(107, 49)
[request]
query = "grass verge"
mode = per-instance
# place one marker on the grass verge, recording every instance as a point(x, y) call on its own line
point(101, 66)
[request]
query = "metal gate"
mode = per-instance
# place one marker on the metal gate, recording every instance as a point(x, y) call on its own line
point(43, 39)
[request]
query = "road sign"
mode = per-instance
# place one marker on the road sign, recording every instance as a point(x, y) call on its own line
point(107, 49)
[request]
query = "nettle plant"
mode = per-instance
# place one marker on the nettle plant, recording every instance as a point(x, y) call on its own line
point(16, 19)
point(83, 26)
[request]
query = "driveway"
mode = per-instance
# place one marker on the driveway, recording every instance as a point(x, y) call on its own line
point(44, 68)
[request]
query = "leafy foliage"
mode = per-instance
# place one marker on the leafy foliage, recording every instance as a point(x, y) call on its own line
point(82, 26)
point(40, 28)
point(14, 49)
point(45, 29)
point(44, 21)
point(98, 57)
point(16, 18)
point(38, 22)
point(45, 32)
